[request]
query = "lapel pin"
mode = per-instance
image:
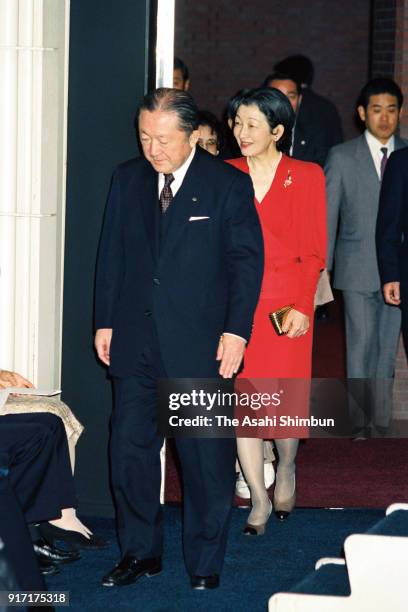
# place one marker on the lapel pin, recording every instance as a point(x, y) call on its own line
point(288, 180)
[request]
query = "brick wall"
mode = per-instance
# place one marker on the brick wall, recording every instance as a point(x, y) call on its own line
point(229, 45)
point(383, 38)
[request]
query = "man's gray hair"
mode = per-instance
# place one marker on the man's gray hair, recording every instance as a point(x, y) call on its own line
point(173, 101)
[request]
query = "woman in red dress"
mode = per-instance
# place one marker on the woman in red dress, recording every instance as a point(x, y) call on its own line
point(290, 199)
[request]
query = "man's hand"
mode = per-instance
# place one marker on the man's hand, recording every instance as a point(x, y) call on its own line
point(230, 352)
point(295, 324)
point(103, 339)
point(391, 293)
point(12, 379)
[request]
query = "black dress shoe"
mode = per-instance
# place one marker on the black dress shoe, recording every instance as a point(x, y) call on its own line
point(202, 583)
point(75, 539)
point(43, 550)
point(129, 569)
point(47, 568)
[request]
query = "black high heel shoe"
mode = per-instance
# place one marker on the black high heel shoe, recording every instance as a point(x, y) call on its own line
point(284, 507)
point(77, 540)
point(257, 530)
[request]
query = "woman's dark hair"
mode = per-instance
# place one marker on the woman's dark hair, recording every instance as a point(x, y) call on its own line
point(209, 119)
point(173, 101)
point(274, 105)
point(234, 102)
point(381, 85)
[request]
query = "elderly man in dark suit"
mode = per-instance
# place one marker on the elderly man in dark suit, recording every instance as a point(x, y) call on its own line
point(180, 265)
point(354, 172)
point(392, 235)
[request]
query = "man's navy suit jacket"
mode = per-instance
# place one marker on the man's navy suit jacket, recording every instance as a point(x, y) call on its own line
point(317, 128)
point(392, 220)
point(203, 279)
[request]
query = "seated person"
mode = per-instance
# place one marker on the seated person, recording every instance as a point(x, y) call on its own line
point(68, 528)
point(18, 565)
point(36, 479)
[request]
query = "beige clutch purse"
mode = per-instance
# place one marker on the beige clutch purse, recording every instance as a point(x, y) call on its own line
point(278, 317)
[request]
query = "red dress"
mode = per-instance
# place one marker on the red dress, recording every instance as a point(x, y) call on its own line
point(293, 220)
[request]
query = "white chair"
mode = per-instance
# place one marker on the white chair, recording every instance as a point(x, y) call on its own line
point(378, 573)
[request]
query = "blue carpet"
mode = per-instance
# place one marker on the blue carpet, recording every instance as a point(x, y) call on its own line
point(255, 568)
point(328, 580)
point(395, 524)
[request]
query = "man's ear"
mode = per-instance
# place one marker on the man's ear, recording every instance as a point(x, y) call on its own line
point(193, 138)
point(186, 84)
point(361, 113)
point(401, 112)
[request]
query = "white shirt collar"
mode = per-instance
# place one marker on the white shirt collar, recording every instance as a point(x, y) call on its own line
point(375, 147)
point(178, 174)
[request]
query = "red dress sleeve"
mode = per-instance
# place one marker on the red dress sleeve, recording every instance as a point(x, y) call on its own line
point(312, 235)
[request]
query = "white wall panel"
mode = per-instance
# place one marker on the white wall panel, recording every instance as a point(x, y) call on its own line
point(33, 101)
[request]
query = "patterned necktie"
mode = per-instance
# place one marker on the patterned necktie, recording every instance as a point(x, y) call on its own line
point(384, 160)
point(166, 195)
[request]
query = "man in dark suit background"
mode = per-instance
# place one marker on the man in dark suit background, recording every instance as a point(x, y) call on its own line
point(318, 123)
point(392, 235)
point(180, 264)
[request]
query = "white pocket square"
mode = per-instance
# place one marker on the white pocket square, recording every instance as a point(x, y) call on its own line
point(198, 218)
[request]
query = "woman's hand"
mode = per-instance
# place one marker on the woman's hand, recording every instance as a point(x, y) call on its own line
point(295, 324)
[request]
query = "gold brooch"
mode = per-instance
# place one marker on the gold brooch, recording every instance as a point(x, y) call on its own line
point(288, 180)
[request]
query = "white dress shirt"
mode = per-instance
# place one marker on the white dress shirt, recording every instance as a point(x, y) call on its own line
point(175, 185)
point(375, 147)
point(178, 174)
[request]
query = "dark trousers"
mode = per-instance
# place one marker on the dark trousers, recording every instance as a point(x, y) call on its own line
point(34, 450)
point(404, 312)
point(35, 484)
point(19, 569)
point(207, 468)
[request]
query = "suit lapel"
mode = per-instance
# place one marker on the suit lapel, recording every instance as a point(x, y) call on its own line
point(365, 159)
point(183, 205)
point(366, 162)
point(299, 137)
point(150, 208)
